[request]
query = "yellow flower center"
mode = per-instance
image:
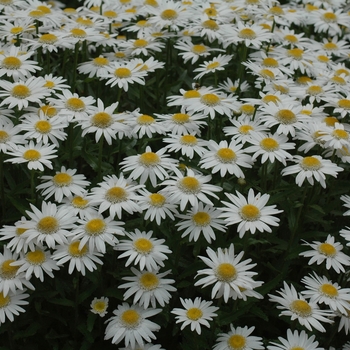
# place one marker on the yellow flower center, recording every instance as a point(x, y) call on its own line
point(119, 54)
point(49, 111)
point(330, 121)
point(281, 88)
point(330, 46)
point(180, 118)
point(44, 9)
point(99, 306)
point(340, 134)
point(31, 155)
point(291, 38)
point(329, 290)
point(329, 17)
point(213, 65)
point(36, 14)
point(145, 119)
point(149, 159)
point(270, 62)
point(296, 53)
point(143, 245)
point(211, 12)
point(130, 318)
point(286, 116)
point(194, 313)
point(226, 272)
point(245, 129)
point(270, 98)
point(323, 58)
point(110, 14)
point(199, 49)
point(122, 72)
point(43, 126)
point(247, 109)
point(236, 342)
point(7, 271)
point(62, 179)
point(48, 39)
point(20, 231)
point(250, 212)
point(149, 281)
point(16, 30)
point(74, 250)
point(210, 100)
point(210, 24)
point(102, 120)
point(314, 90)
point(4, 301)
point(327, 249)
point(20, 91)
point(6, 2)
point(201, 218)
point(247, 33)
point(140, 43)
point(276, 10)
point(37, 257)
point(95, 227)
point(79, 202)
point(152, 3)
point(267, 74)
point(75, 104)
point(143, 23)
point(49, 84)
point(301, 308)
point(116, 195)
point(189, 185)
point(169, 15)
point(188, 140)
point(100, 61)
point(269, 144)
point(342, 71)
point(47, 225)
point(192, 94)
point(157, 200)
point(344, 103)
point(78, 33)
point(4, 136)
point(226, 155)
point(310, 163)
point(11, 62)
point(338, 80)
point(87, 22)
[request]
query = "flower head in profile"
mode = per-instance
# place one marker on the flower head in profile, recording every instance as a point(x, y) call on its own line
point(250, 213)
point(195, 313)
point(99, 306)
point(11, 304)
point(131, 324)
point(228, 271)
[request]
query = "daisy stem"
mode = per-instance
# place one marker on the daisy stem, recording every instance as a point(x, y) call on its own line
point(76, 53)
point(243, 56)
point(100, 152)
point(264, 176)
point(2, 185)
point(32, 186)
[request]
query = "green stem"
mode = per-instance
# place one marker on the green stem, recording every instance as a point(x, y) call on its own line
point(76, 54)
point(2, 186)
point(100, 153)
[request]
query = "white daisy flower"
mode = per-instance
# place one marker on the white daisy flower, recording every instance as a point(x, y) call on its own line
point(202, 220)
point(79, 204)
point(103, 122)
point(346, 232)
point(322, 290)
point(97, 231)
point(270, 147)
point(216, 64)
point(116, 194)
point(54, 83)
point(227, 271)
point(141, 248)
point(310, 168)
point(35, 155)
point(96, 67)
point(50, 224)
point(142, 46)
point(10, 279)
point(148, 287)
point(131, 324)
point(11, 304)
point(196, 313)
point(346, 200)
point(295, 340)
point(64, 183)
point(156, 206)
point(99, 306)
point(252, 213)
point(149, 165)
point(238, 338)
point(79, 258)
point(36, 262)
point(9, 138)
point(231, 87)
point(296, 307)
point(21, 92)
point(188, 144)
point(336, 138)
point(344, 322)
point(225, 158)
point(190, 188)
point(328, 251)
